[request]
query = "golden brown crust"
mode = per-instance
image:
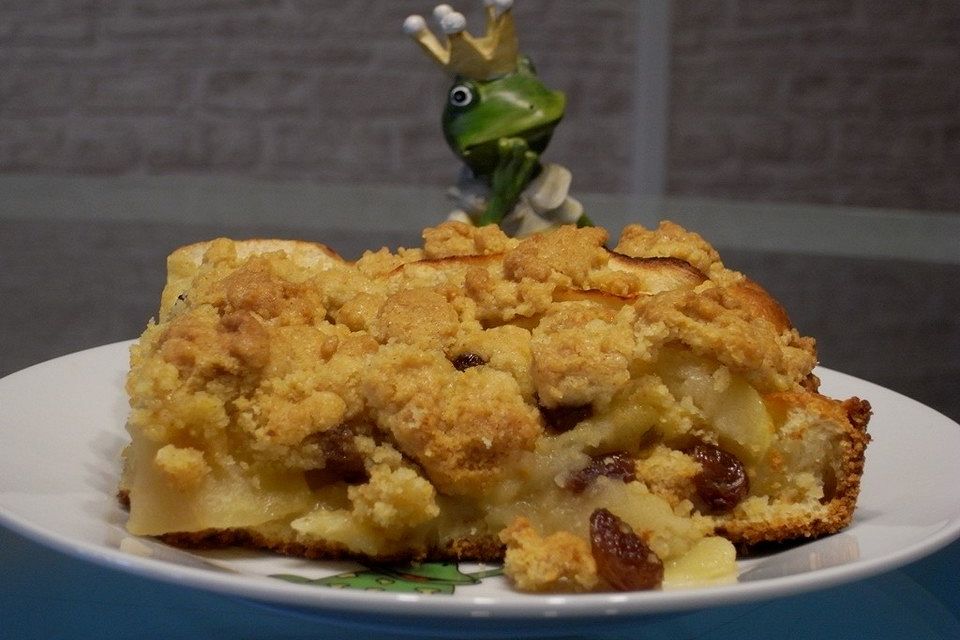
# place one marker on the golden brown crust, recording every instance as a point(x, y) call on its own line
point(658, 273)
point(558, 562)
point(670, 240)
point(405, 406)
point(840, 500)
point(469, 548)
point(459, 239)
point(566, 256)
point(184, 263)
point(724, 323)
point(755, 300)
point(475, 548)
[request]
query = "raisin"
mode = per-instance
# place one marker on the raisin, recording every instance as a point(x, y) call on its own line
point(723, 482)
point(623, 559)
point(613, 465)
point(343, 462)
point(563, 418)
point(466, 360)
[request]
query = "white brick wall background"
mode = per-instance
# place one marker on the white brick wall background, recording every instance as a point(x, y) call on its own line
point(833, 101)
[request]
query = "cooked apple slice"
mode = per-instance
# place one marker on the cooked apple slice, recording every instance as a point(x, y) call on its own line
point(731, 407)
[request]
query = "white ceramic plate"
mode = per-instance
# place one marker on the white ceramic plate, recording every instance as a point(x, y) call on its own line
point(62, 429)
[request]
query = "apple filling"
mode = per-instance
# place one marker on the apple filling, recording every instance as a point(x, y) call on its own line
point(597, 419)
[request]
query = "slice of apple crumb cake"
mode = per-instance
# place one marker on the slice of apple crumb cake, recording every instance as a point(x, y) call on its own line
point(597, 419)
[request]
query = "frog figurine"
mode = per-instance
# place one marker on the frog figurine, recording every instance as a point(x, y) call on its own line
point(498, 120)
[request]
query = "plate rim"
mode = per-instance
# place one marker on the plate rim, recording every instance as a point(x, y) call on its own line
point(510, 606)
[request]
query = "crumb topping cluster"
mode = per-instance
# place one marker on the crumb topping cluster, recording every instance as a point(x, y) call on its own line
point(409, 399)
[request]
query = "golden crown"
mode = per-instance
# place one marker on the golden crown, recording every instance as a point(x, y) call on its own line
point(478, 58)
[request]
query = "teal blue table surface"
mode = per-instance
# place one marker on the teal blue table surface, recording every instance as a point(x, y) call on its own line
point(45, 594)
point(83, 259)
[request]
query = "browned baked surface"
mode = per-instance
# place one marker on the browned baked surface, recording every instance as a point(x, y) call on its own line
point(481, 396)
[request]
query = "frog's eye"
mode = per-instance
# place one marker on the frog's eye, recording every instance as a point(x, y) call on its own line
point(461, 95)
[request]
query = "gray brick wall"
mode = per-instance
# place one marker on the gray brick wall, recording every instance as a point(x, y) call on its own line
point(299, 89)
point(833, 101)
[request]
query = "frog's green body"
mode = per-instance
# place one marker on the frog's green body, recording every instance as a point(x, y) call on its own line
point(499, 128)
point(499, 116)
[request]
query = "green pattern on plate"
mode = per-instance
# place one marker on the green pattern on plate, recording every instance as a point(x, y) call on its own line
point(427, 577)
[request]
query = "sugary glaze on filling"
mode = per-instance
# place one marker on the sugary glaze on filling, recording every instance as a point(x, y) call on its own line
point(593, 413)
